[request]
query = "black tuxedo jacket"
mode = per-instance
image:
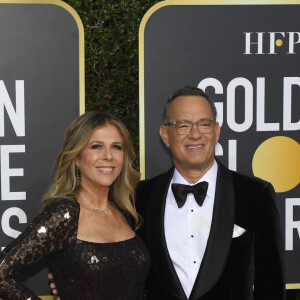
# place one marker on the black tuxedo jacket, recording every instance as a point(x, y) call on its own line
point(231, 266)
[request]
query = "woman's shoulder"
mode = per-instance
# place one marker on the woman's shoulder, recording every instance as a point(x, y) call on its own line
point(64, 202)
point(64, 207)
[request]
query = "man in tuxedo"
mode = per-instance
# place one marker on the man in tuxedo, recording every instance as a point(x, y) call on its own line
point(212, 234)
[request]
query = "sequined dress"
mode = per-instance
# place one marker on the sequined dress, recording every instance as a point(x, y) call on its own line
point(82, 270)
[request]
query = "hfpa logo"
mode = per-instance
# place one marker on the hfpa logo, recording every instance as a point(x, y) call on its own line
point(268, 42)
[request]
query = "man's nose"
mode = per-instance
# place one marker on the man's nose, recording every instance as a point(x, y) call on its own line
point(195, 132)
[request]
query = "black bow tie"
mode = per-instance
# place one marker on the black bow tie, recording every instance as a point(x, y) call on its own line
point(180, 192)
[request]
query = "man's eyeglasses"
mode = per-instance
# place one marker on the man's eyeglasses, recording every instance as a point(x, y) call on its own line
point(185, 126)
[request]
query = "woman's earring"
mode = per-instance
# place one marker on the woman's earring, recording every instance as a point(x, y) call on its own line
point(118, 180)
point(77, 174)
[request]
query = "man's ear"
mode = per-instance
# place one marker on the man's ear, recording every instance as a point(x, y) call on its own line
point(164, 134)
point(217, 131)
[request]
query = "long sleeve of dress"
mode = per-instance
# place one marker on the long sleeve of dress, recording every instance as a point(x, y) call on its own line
point(51, 231)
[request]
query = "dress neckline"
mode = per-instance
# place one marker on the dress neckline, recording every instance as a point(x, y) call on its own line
point(107, 243)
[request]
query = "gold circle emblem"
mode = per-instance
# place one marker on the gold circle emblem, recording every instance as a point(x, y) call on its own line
point(277, 160)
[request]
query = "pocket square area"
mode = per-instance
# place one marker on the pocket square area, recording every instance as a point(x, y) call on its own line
point(237, 231)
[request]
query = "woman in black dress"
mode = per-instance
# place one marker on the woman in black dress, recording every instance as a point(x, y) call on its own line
point(86, 229)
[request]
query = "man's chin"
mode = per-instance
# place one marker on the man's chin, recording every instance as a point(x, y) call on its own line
point(194, 166)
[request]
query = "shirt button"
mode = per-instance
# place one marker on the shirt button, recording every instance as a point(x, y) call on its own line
point(192, 210)
point(192, 236)
point(194, 261)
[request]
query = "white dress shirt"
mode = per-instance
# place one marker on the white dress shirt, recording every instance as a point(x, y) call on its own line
point(187, 228)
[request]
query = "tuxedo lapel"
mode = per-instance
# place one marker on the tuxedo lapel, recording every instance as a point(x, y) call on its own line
point(220, 237)
point(160, 257)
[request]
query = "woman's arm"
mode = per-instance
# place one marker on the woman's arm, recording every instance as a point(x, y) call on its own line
point(49, 232)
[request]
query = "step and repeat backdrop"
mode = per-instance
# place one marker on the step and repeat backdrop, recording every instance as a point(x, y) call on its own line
point(41, 92)
point(246, 56)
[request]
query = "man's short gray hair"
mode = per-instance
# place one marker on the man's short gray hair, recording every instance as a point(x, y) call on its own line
point(188, 91)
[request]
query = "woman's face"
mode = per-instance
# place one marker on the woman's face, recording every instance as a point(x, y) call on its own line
point(101, 160)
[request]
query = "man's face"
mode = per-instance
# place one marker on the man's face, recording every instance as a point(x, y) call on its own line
point(193, 154)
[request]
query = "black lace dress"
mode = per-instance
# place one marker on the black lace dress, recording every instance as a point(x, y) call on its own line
point(82, 270)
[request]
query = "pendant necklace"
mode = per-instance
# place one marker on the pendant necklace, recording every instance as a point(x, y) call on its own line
point(93, 207)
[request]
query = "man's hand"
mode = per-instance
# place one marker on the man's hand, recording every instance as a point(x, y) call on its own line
point(52, 285)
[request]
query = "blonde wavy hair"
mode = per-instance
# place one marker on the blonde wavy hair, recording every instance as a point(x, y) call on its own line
point(76, 138)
